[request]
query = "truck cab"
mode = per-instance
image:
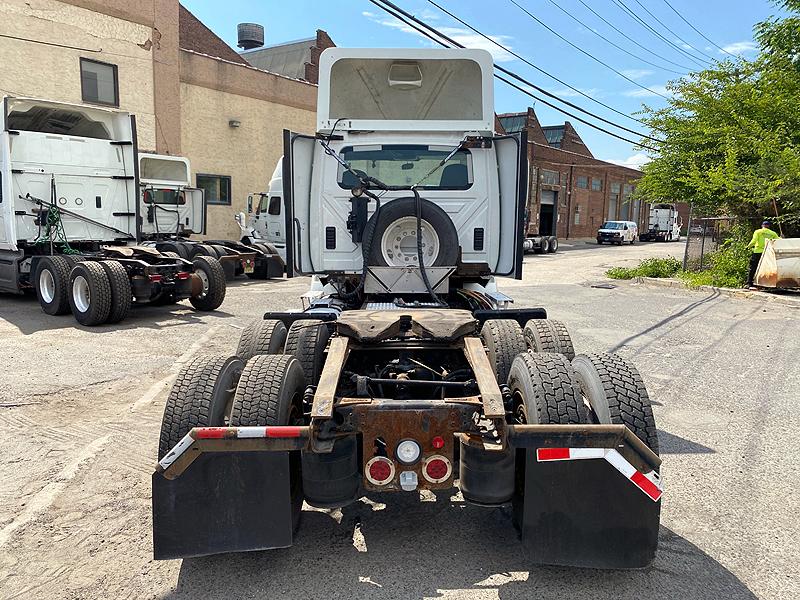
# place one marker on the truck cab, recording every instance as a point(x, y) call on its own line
point(405, 144)
point(169, 206)
point(265, 219)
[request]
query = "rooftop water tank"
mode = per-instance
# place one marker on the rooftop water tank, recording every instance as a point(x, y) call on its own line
point(250, 35)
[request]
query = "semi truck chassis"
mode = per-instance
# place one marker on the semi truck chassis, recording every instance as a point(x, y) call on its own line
point(584, 488)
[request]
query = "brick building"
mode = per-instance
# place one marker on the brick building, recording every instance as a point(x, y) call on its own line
point(571, 193)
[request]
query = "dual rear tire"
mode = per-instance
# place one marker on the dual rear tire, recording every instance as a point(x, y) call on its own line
point(95, 292)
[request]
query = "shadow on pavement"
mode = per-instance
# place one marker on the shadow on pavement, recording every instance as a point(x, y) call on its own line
point(412, 549)
point(675, 444)
point(25, 314)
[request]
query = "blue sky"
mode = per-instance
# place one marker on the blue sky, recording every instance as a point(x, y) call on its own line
point(358, 23)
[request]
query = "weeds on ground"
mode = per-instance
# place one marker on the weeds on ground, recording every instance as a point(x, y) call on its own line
point(727, 266)
point(650, 267)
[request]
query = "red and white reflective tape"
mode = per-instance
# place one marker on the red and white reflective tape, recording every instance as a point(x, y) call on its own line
point(648, 483)
point(218, 433)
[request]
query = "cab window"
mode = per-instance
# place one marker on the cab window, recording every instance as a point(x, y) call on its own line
point(275, 205)
point(407, 165)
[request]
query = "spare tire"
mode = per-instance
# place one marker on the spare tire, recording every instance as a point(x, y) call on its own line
point(392, 232)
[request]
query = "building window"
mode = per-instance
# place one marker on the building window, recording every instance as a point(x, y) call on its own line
point(583, 182)
point(99, 84)
point(597, 184)
point(615, 187)
point(217, 188)
point(551, 177)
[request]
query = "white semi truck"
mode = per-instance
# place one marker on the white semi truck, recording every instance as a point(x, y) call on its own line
point(171, 211)
point(408, 369)
point(71, 222)
point(664, 224)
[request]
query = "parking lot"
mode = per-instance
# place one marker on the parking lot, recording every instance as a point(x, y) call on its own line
point(80, 411)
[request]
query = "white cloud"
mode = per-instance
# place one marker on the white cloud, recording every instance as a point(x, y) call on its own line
point(569, 93)
point(651, 92)
point(739, 47)
point(462, 36)
point(634, 161)
point(636, 73)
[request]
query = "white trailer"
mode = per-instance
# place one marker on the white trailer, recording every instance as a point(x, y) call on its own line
point(70, 219)
point(664, 224)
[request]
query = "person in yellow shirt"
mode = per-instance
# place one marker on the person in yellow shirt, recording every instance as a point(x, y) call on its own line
point(758, 244)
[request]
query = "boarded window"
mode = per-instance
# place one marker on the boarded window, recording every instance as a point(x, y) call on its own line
point(99, 83)
point(551, 177)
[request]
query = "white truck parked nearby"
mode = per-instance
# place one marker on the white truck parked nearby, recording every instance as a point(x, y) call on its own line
point(265, 222)
point(70, 221)
point(171, 210)
point(664, 224)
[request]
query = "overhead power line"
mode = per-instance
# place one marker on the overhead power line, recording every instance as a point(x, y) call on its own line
point(627, 37)
point(436, 36)
point(679, 38)
point(542, 90)
point(601, 36)
point(700, 33)
point(699, 61)
point(579, 49)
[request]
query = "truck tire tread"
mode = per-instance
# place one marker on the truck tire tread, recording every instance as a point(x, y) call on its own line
point(121, 294)
point(625, 392)
point(307, 340)
point(195, 399)
point(262, 336)
point(504, 341)
point(99, 293)
point(216, 280)
point(556, 393)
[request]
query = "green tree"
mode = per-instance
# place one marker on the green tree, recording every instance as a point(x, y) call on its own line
point(731, 133)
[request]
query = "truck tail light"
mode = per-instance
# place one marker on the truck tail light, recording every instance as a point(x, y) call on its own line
point(182, 275)
point(155, 278)
point(437, 469)
point(380, 470)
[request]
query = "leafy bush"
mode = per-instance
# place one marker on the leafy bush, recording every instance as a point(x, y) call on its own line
point(727, 266)
point(650, 267)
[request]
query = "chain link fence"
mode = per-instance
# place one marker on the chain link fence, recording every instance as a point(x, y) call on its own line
point(704, 237)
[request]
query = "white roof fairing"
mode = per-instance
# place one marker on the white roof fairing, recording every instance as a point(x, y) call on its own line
point(446, 90)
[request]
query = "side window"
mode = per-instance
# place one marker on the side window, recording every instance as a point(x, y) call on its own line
point(262, 205)
point(275, 205)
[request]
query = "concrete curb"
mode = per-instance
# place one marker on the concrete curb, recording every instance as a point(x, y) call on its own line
point(730, 292)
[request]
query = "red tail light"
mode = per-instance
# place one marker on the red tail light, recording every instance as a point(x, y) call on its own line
point(380, 470)
point(182, 275)
point(437, 442)
point(155, 278)
point(437, 469)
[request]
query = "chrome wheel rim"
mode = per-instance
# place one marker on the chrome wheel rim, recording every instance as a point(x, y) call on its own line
point(47, 286)
point(80, 293)
point(204, 279)
point(399, 243)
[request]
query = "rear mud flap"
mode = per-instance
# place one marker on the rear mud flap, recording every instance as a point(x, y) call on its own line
point(586, 513)
point(224, 502)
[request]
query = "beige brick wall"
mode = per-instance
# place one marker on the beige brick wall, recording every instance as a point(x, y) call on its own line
point(247, 153)
point(42, 70)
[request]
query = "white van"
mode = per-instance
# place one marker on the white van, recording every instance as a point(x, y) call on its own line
point(617, 232)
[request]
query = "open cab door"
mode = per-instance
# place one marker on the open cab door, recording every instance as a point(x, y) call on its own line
point(298, 164)
point(512, 172)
